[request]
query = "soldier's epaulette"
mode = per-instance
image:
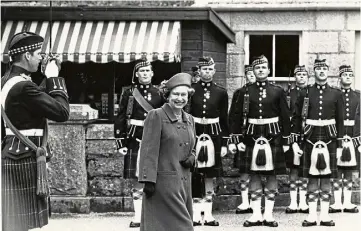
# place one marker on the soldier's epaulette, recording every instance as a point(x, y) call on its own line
point(215, 84)
point(278, 86)
point(126, 88)
point(357, 91)
point(335, 87)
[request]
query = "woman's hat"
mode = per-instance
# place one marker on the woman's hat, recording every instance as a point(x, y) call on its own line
point(180, 79)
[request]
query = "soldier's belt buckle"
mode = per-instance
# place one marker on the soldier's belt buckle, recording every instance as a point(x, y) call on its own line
point(204, 121)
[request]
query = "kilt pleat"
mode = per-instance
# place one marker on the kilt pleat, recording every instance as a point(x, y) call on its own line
point(318, 134)
point(22, 208)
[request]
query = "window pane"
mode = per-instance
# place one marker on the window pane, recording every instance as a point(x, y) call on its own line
point(287, 54)
point(258, 45)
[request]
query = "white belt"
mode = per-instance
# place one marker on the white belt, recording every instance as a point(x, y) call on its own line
point(320, 123)
point(263, 121)
point(349, 122)
point(137, 122)
point(27, 132)
point(205, 120)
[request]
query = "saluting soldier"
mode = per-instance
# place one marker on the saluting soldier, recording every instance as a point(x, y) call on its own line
point(261, 116)
point(27, 107)
point(244, 207)
point(349, 162)
point(135, 103)
point(301, 76)
point(209, 107)
point(318, 121)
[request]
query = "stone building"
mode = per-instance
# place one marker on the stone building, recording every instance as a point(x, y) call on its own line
point(86, 173)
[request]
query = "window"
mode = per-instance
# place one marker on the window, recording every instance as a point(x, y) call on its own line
point(281, 49)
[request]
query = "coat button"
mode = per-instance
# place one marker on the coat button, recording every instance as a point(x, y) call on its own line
point(184, 127)
point(178, 126)
point(180, 144)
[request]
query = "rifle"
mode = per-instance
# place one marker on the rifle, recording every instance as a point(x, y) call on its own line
point(304, 115)
point(289, 90)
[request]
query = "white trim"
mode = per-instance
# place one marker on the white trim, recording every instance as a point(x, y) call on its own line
point(301, 45)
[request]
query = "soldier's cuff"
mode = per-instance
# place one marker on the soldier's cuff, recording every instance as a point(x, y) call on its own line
point(237, 138)
point(295, 138)
point(56, 86)
point(356, 141)
point(286, 140)
point(120, 142)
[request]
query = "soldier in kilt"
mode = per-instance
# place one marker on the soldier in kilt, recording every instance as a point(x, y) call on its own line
point(28, 107)
point(244, 177)
point(319, 124)
point(350, 158)
point(301, 76)
point(128, 126)
point(266, 138)
point(209, 107)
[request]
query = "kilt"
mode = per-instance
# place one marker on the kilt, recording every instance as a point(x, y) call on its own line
point(130, 160)
point(277, 156)
point(318, 134)
point(216, 170)
point(22, 209)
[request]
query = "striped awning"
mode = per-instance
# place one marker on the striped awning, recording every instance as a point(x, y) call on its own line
point(102, 41)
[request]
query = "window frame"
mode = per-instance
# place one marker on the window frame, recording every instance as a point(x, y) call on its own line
point(274, 34)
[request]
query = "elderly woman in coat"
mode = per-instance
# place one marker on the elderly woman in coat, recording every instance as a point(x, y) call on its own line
point(166, 156)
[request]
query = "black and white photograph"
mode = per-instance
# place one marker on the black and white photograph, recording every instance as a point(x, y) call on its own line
point(180, 115)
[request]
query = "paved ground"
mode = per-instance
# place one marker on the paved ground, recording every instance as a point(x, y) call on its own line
point(228, 221)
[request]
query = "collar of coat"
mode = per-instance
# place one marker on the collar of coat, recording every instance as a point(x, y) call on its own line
point(169, 112)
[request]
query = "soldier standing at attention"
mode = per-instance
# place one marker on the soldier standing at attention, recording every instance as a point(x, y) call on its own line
point(319, 122)
point(209, 107)
point(262, 115)
point(25, 193)
point(301, 76)
point(244, 177)
point(350, 158)
point(135, 103)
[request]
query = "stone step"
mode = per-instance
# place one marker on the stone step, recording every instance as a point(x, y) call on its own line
point(69, 204)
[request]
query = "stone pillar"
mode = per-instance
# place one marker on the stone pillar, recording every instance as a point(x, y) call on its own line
point(67, 168)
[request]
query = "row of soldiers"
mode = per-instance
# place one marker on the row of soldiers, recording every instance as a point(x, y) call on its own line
point(308, 129)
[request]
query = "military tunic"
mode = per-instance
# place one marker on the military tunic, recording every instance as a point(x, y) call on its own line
point(27, 106)
point(131, 134)
point(266, 101)
point(351, 100)
point(325, 104)
point(210, 101)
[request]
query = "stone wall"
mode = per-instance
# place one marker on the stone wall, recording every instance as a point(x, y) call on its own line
point(324, 34)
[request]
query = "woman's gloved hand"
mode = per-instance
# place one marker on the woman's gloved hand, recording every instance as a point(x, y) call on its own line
point(149, 189)
point(188, 162)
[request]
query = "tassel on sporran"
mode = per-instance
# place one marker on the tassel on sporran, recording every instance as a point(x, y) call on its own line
point(42, 174)
point(321, 162)
point(346, 154)
point(203, 154)
point(261, 157)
